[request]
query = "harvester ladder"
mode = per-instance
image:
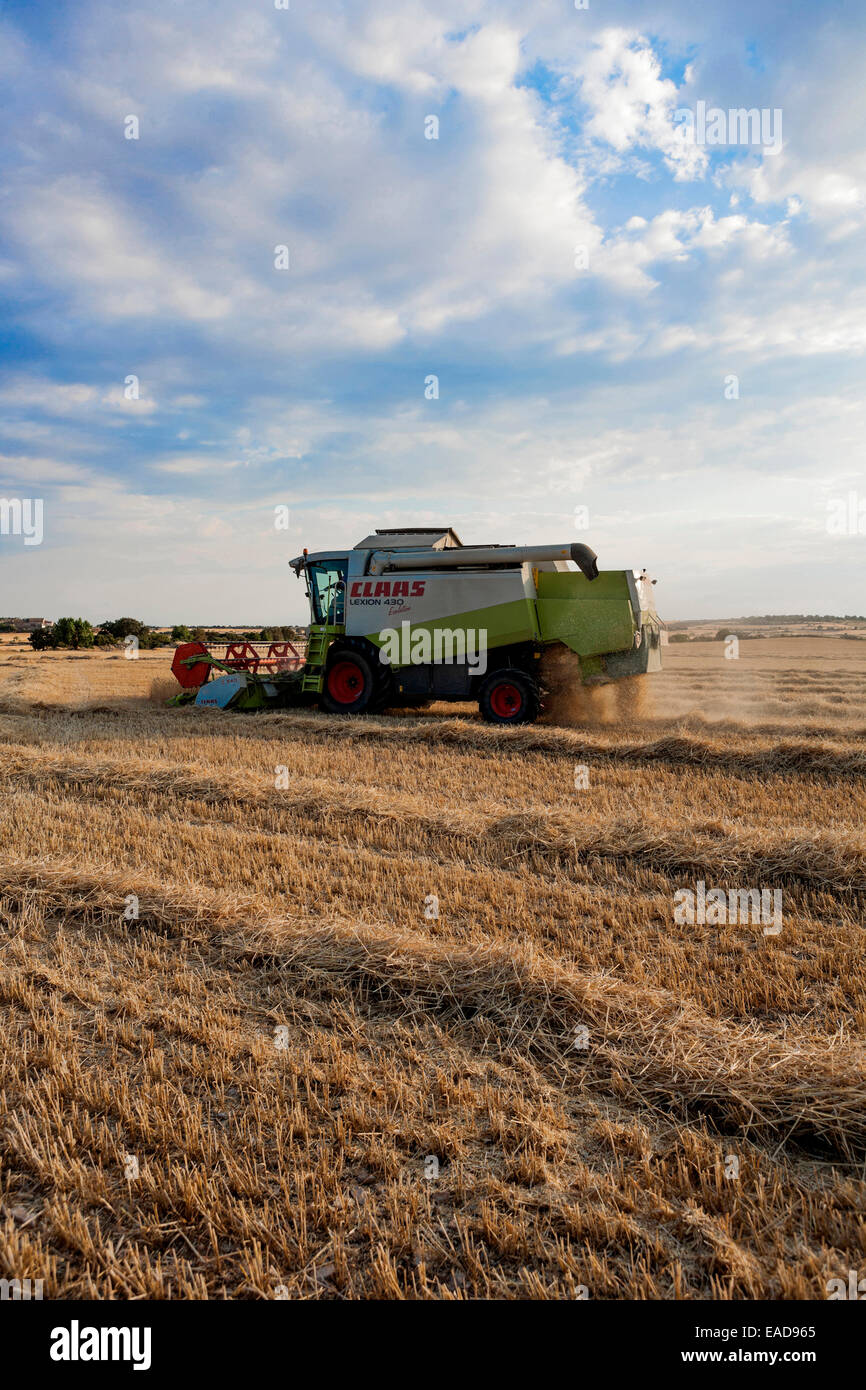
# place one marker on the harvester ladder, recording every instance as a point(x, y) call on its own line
point(317, 648)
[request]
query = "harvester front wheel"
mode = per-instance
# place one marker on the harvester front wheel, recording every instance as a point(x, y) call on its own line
point(350, 685)
point(509, 697)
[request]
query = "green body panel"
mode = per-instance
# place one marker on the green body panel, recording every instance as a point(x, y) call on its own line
point(592, 668)
point(591, 617)
point(504, 624)
point(640, 660)
point(251, 697)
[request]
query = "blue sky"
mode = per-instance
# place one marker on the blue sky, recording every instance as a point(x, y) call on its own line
point(568, 378)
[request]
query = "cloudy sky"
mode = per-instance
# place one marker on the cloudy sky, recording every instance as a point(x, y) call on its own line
point(620, 315)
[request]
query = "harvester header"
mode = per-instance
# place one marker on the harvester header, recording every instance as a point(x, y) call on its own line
point(412, 615)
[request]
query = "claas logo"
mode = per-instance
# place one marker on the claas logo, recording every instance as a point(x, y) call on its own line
point(387, 588)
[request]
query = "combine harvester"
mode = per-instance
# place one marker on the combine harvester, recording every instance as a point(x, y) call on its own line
point(411, 616)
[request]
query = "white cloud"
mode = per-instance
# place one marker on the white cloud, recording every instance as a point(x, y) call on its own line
point(25, 470)
point(77, 234)
point(631, 105)
point(192, 463)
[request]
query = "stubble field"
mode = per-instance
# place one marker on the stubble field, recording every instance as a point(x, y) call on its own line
point(422, 1023)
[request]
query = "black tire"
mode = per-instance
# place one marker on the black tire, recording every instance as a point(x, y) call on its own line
point(350, 666)
point(509, 696)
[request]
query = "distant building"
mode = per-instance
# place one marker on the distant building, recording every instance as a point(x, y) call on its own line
point(25, 624)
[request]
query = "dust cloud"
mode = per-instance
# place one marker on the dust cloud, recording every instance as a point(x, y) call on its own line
point(570, 702)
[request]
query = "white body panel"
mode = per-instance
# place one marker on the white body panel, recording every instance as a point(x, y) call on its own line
point(425, 596)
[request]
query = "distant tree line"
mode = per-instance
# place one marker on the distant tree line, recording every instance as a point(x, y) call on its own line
point(679, 630)
point(74, 633)
point(804, 618)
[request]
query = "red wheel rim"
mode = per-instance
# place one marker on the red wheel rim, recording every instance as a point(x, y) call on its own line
point(505, 700)
point(345, 682)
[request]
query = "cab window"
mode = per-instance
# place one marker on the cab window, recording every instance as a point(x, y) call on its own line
point(327, 580)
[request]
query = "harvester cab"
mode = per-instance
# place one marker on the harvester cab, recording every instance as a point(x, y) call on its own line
point(411, 616)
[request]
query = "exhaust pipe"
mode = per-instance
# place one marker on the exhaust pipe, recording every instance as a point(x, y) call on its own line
point(472, 556)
